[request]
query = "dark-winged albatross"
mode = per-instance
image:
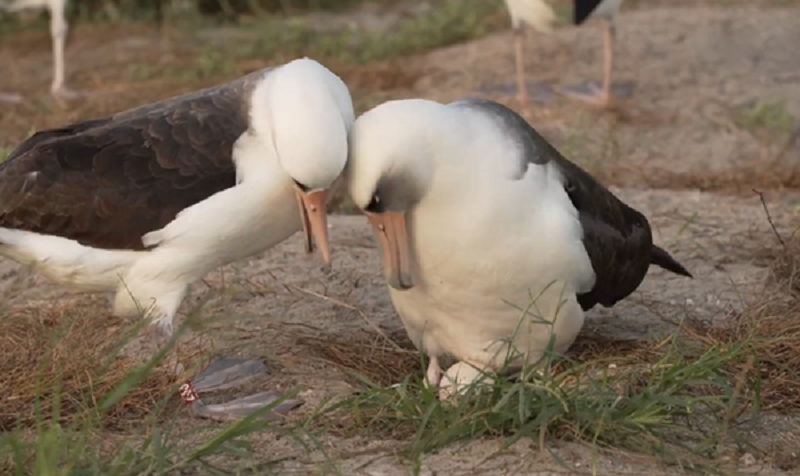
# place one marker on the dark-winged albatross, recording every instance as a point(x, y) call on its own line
point(476, 213)
point(58, 33)
point(147, 201)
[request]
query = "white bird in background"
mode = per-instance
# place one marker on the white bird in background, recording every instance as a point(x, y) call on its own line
point(477, 214)
point(58, 33)
point(147, 201)
point(539, 15)
point(536, 14)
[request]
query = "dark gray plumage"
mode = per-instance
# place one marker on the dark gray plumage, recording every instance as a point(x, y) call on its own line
point(107, 182)
point(617, 238)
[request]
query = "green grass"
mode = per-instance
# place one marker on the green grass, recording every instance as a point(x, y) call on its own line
point(679, 408)
point(682, 401)
point(80, 445)
point(5, 152)
point(769, 118)
point(445, 23)
point(280, 38)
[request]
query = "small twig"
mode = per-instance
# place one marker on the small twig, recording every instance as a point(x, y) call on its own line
point(769, 218)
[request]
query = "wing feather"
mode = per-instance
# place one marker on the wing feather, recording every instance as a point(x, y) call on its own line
point(107, 182)
point(617, 238)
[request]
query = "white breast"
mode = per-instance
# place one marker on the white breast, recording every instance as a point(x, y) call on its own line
point(483, 254)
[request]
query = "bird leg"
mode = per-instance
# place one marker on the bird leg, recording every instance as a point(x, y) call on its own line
point(600, 96)
point(519, 45)
point(228, 372)
point(434, 374)
point(58, 33)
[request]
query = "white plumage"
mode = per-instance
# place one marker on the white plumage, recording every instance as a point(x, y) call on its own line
point(482, 243)
point(489, 236)
point(294, 147)
point(538, 14)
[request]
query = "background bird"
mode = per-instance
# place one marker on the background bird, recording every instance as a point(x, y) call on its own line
point(539, 15)
point(58, 33)
point(608, 11)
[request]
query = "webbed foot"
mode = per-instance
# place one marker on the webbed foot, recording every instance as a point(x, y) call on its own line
point(230, 372)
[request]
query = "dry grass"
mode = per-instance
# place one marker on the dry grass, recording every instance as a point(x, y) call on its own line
point(60, 364)
point(383, 361)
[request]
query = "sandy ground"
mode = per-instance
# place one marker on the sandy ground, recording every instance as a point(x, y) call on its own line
point(692, 68)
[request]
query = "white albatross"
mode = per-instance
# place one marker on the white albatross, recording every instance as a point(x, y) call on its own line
point(476, 213)
point(147, 201)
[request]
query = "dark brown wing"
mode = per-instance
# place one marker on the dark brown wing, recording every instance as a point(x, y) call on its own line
point(107, 182)
point(617, 238)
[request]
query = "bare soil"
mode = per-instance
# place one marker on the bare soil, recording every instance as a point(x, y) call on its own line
point(693, 67)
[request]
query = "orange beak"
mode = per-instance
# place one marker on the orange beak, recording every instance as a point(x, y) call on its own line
point(314, 215)
point(391, 230)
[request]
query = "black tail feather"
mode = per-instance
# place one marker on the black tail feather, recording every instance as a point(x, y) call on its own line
point(663, 259)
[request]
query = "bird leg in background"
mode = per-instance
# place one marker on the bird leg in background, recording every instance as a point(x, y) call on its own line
point(58, 34)
point(519, 44)
point(597, 95)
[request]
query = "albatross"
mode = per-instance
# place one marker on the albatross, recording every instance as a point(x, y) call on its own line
point(58, 34)
point(539, 15)
point(476, 214)
point(145, 202)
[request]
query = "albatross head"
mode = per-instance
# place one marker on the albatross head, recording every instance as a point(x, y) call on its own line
point(390, 170)
point(306, 111)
